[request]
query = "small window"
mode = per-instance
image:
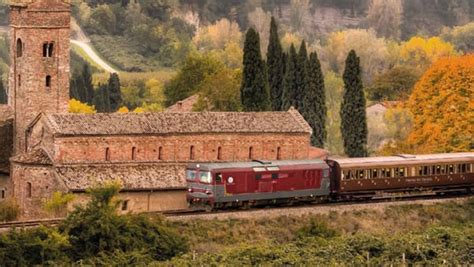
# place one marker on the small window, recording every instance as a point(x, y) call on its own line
point(19, 48)
point(274, 176)
point(45, 49)
point(19, 80)
point(134, 153)
point(278, 157)
point(250, 152)
point(160, 153)
point(48, 81)
point(375, 173)
point(125, 205)
point(218, 177)
point(28, 189)
point(191, 152)
point(107, 154)
point(2, 193)
point(48, 49)
point(451, 169)
point(219, 153)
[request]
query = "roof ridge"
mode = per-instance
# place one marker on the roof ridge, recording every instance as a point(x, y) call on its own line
point(300, 119)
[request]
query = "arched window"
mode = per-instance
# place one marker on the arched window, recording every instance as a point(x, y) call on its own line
point(251, 152)
point(219, 153)
point(28, 189)
point(278, 153)
point(19, 48)
point(134, 153)
point(48, 49)
point(160, 153)
point(48, 81)
point(107, 154)
point(191, 153)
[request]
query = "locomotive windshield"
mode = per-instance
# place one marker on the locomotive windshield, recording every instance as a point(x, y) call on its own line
point(190, 175)
point(205, 177)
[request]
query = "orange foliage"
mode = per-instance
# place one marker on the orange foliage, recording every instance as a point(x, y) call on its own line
point(442, 105)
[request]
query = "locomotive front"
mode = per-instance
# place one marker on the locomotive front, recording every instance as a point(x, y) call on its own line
point(200, 187)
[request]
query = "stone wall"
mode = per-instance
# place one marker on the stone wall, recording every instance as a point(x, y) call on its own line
point(178, 148)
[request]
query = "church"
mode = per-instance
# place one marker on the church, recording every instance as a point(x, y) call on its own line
point(43, 149)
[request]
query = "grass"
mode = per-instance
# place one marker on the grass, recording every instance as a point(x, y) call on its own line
point(130, 78)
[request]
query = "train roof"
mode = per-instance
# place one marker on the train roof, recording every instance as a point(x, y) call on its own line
point(256, 163)
point(405, 159)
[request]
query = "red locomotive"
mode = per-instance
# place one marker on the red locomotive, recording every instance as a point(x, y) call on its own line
point(219, 185)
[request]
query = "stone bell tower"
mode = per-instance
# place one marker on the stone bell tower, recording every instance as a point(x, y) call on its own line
point(39, 70)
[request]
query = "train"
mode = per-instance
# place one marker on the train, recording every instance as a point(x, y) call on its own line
point(244, 184)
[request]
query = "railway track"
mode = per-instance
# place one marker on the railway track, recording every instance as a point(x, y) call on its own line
point(272, 211)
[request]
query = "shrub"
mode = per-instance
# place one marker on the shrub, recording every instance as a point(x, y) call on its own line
point(8, 210)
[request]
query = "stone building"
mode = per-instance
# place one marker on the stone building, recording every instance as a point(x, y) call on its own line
point(147, 152)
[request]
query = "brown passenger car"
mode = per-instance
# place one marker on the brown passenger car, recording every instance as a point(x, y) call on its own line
point(373, 176)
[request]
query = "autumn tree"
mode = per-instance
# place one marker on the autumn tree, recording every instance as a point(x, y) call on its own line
point(217, 35)
point(275, 66)
point(441, 104)
point(353, 116)
point(462, 37)
point(385, 16)
point(394, 84)
point(290, 83)
point(75, 106)
point(420, 52)
point(254, 92)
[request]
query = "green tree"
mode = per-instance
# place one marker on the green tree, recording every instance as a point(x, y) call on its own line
point(3, 92)
point(353, 116)
point(301, 76)
point(255, 95)
point(87, 83)
point(190, 76)
point(275, 66)
point(394, 84)
point(102, 99)
point(115, 94)
point(314, 101)
point(57, 205)
point(220, 91)
point(290, 83)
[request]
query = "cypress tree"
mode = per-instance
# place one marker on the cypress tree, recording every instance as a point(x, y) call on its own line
point(115, 94)
point(254, 91)
point(102, 99)
point(87, 85)
point(73, 90)
point(290, 82)
point(275, 66)
point(314, 101)
point(301, 76)
point(353, 117)
point(3, 92)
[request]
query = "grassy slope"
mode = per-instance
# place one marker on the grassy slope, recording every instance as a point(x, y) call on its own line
point(426, 234)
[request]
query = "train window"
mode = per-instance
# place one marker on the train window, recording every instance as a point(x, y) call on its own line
point(273, 168)
point(438, 169)
point(205, 177)
point(426, 170)
point(451, 169)
point(396, 172)
point(218, 177)
point(469, 168)
point(443, 169)
point(382, 173)
point(375, 173)
point(462, 168)
point(258, 176)
point(259, 169)
point(274, 176)
point(360, 174)
point(190, 174)
point(401, 172)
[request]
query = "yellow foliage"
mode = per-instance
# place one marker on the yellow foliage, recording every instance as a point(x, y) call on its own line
point(215, 36)
point(139, 110)
point(123, 110)
point(75, 106)
point(290, 38)
point(443, 107)
point(420, 52)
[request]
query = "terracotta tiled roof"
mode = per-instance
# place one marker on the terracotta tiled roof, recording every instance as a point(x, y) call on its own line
point(132, 177)
point(6, 113)
point(37, 156)
point(177, 123)
point(185, 105)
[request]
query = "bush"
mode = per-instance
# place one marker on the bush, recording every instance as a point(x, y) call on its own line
point(317, 229)
point(8, 211)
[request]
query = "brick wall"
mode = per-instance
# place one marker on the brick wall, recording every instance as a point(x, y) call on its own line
point(177, 148)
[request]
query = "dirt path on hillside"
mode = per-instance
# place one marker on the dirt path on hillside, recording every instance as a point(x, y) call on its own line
point(80, 39)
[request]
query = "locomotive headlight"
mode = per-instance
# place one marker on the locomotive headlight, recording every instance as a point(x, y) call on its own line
point(190, 190)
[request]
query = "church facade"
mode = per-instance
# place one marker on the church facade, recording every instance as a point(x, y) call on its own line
point(46, 150)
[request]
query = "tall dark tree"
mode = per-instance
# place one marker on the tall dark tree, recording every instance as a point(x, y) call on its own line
point(254, 91)
point(301, 76)
point(314, 101)
point(353, 116)
point(275, 66)
point(3, 92)
point(87, 83)
point(102, 99)
point(115, 94)
point(290, 83)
